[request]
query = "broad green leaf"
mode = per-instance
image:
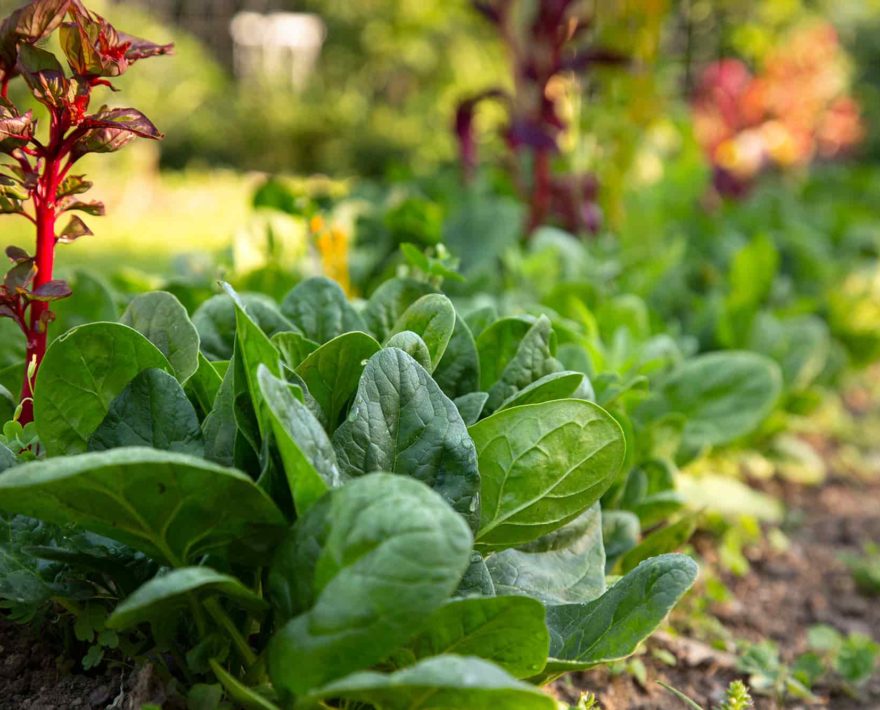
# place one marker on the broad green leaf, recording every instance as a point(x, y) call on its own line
point(541, 466)
point(458, 372)
point(389, 301)
point(247, 698)
point(723, 396)
point(567, 565)
point(476, 580)
point(432, 318)
point(166, 595)
point(497, 345)
point(413, 346)
point(557, 385)
point(509, 631)
point(532, 359)
point(7, 458)
point(306, 452)
point(161, 318)
point(173, 507)
point(252, 350)
point(801, 345)
point(470, 406)
point(440, 683)
point(219, 427)
point(319, 308)
point(205, 384)
point(612, 626)
point(666, 539)
point(152, 410)
point(481, 228)
point(215, 322)
point(366, 566)
point(331, 372)
point(401, 422)
point(82, 373)
point(294, 347)
point(620, 533)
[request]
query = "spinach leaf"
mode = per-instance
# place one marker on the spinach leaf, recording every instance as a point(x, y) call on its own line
point(173, 507)
point(319, 308)
point(458, 372)
point(440, 683)
point(367, 565)
point(162, 596)
point(308, 456)
point(331, 372)
point(509, 631)
point(163, 320)
point(542, 465)
point(567, 565)
point(723, 396)
point(413, 346)
point(82, 373)
point(389, 301)
point(401, 422)
point(152, 410)
point(432, 318)
point(612, 626)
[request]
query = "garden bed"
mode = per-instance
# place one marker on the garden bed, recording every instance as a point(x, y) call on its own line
point(785, 592)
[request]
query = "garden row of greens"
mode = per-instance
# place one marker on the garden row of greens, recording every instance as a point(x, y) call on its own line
point(179, 451)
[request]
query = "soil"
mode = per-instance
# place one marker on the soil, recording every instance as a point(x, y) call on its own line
point(785, 592)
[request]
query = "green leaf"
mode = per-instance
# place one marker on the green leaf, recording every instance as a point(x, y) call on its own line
point(458, 372)
point(620, 533)
point(557, 385)
point(666, 539)
point(205, 383)
point(166, 595)
point(332, 372)
point(389, 301)
point(366, 566)
point(319, 308)
point(220, 427)
point(161, 318)
point(432, 318)
point(470, 406)
point(413, 346)
point(505, 371)
point(173, 507)
point(152, 410)
point(440, 683)
point(82, 373)
point(401, 422)
point(308, 456)
point(294, 347)
point(509, 631)
point(541, 466)
point(252, 350)
point(723, 396)
point(568, 565)
point(215, 322)
point(247, 698)
point(612, 626)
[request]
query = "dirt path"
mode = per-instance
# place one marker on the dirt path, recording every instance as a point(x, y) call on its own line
point(785, 593)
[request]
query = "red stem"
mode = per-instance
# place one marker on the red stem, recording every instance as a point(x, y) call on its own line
point(45, 211)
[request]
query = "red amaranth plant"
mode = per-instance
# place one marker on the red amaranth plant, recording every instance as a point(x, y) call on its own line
point(36, 182)
point(546, 40)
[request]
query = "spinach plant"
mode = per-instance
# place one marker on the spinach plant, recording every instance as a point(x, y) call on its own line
point(393, 505)
point(37, 182)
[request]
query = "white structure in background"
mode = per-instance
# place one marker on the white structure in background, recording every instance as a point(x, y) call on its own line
point(281, 47)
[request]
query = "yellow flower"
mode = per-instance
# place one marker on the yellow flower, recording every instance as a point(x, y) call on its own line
point(333, 248)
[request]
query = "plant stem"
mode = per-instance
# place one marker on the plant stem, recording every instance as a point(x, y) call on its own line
point(222, 618)
point(44, 201)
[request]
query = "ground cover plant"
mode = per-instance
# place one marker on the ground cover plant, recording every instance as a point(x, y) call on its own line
point(475, 458)
point(401, 489)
